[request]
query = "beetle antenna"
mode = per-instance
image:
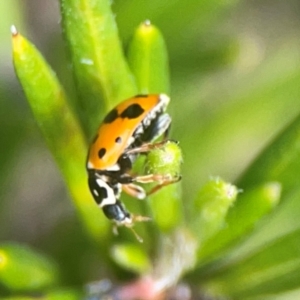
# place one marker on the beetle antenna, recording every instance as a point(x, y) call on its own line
point(136, 235)
point(138, 219)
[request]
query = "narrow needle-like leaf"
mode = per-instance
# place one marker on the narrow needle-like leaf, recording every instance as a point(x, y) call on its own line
point(243, 216)
point(22, 269)
point(97, 58)
point(148, 60)
point(271, 269)
point(59, 126)
point(208, 212)
point(132, 257)
point(280, 161)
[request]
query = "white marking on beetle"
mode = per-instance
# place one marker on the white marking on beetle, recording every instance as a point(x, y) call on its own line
point(114, 167)
point(90, 165)
point(139, 130)
point(110, 199)
point(164, 99)
point(96, 193)
point(130, 141)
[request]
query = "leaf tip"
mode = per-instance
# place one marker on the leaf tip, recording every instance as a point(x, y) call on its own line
point(13, 30)
point(147, 23)
point(17, 39)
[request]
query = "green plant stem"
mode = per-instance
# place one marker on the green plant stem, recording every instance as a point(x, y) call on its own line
point(265, 271)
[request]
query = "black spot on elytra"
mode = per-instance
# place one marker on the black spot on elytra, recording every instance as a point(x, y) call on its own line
point(133, 111)
point(118, 140)
point(111, 116)
point(101, 152)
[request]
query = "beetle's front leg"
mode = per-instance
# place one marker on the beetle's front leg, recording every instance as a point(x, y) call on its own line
point(163, 180)
point(146, 147)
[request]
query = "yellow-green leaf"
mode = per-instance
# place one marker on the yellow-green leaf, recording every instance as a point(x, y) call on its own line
point(148, 60)
point(60, 128)
point(22, 269)
point(101, 72)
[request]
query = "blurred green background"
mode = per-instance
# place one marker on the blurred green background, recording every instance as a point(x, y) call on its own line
point(235, 74)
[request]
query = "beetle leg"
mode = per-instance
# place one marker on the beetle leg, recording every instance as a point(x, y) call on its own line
point(146, 147)
point(134, 190)
point(163, 180)
point(165, 183)
point(152, 178)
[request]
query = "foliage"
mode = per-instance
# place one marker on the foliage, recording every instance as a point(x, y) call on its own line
point(222, 239)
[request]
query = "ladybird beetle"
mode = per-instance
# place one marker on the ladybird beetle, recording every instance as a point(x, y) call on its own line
point(127, 130)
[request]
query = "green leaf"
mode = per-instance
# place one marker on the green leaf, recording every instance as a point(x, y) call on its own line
point(131, 257)
point(59, 127)
point(242, 217)
point(22, 269)
point(272, 269)
point(97, 59)
point(210, 207)
point(148, 60)
point(278, 162)
point(64, 294)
